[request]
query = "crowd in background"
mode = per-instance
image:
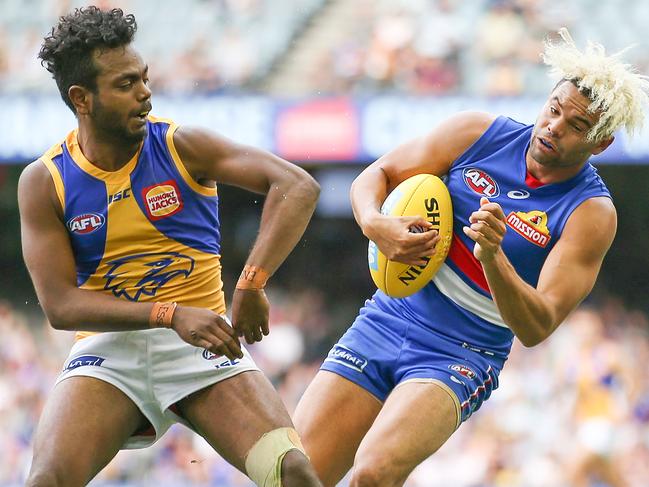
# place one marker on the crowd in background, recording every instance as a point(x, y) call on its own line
point(481, 47)
point(204, 46)
point(576, 405)
point(417, 47)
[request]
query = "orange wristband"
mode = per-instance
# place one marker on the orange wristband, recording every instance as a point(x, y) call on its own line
point(252, 277)
point(161, 315)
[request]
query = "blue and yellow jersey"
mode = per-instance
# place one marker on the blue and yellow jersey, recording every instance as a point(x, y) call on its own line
point(147, 232)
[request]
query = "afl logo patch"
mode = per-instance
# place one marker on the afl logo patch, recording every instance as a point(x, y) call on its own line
point(463, 370)
point(162, 200)
point(480, 182)
point(86, 223)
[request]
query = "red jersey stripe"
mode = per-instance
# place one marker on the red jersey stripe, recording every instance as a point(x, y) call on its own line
point(464, 259)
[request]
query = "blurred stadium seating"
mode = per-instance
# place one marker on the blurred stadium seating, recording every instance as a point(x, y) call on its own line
point(541, 425)
point(484, 47)
point(201, 45)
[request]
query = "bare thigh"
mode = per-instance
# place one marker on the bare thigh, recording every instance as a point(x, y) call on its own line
point(233, 414)
point(84, 424)
point(332, 418)
point(415, 421)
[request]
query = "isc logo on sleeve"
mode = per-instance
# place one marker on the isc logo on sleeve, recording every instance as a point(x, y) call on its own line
point(162, 200)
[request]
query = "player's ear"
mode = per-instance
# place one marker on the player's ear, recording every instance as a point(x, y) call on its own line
point(603, 145)
point(81, 98)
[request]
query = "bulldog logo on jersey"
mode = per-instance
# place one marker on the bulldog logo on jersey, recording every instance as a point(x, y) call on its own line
point(162, 200)
point(139, 274)
point(533, 226)
point(480, 182)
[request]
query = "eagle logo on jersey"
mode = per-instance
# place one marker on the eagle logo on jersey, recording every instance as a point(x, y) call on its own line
point(139, 274)
point(533, 226)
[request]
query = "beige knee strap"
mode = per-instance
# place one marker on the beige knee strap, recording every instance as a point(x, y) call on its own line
point(264, 460)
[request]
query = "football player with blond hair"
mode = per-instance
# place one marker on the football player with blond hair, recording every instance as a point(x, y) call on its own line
point(532, 224)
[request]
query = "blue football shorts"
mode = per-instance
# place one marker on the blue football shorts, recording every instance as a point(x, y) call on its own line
point(382, 350)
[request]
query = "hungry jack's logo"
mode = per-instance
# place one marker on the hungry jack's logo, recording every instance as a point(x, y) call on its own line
point(533, 226)
point(162, 200)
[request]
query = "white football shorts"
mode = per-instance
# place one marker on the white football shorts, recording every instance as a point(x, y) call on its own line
point(155, 368)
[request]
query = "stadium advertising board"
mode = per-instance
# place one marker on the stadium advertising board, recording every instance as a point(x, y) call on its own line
point(307, 130)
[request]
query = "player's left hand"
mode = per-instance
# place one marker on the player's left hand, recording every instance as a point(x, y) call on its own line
point(487, 230)
point(250, 314)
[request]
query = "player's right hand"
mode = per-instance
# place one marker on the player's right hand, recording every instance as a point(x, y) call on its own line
point(406, 239)
point(203, 328)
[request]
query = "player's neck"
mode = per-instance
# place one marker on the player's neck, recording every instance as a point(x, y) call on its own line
point(105, 152)
point(549, 174)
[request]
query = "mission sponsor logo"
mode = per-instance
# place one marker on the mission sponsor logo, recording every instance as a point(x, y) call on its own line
point(162, 200)
point(344, 356)
point(480, 182)
point(532, 226)
point(86, 223)
point(463, 370)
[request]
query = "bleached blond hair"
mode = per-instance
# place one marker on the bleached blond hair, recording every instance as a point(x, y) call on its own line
point(614, 88)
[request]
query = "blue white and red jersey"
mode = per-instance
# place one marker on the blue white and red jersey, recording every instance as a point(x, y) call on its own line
point(457, 303)
point(451, 333)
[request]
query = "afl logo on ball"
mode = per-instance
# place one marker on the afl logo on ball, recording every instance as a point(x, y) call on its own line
point(86, 223)
point(480, 182)
point(162, 200)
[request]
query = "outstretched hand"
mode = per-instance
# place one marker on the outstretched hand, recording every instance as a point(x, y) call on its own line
point(487, 230)
point(404, 239)
point(250, 314)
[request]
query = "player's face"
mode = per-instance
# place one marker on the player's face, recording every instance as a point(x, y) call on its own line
point(123, 99)
point(559, 136)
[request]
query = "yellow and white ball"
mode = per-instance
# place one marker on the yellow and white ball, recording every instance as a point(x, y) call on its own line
point(422, 195)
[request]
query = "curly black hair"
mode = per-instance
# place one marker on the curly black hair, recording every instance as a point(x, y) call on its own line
point(67, 52)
